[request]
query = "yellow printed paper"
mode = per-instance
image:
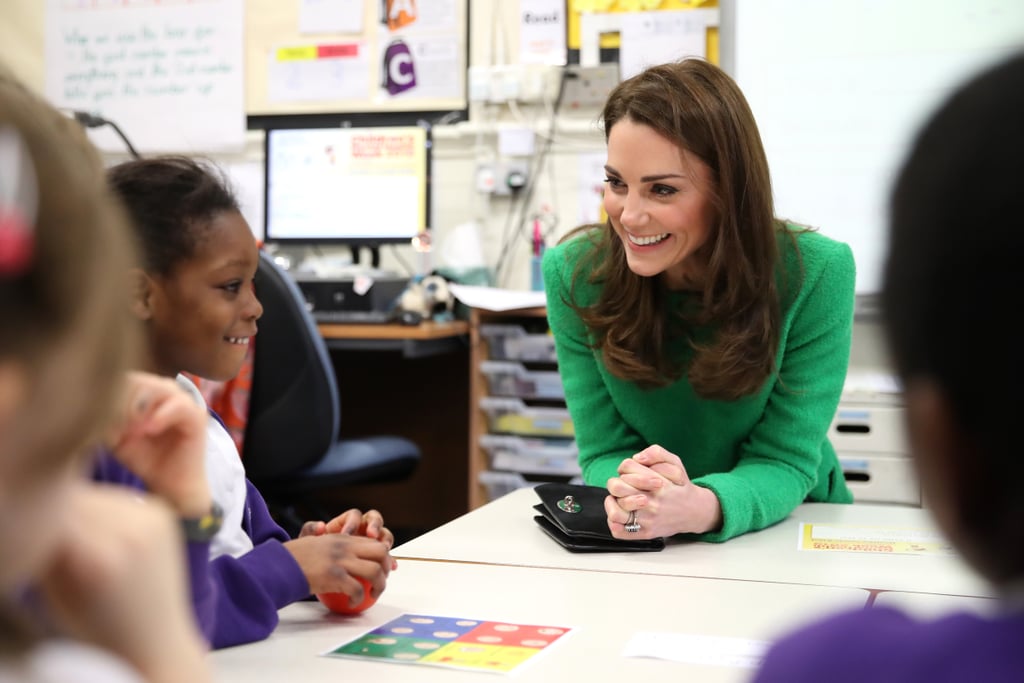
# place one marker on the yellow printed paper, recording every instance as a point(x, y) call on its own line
point(872, 539)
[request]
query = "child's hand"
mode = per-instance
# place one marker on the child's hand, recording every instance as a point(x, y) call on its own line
point(118, 581)
point(161, 437)
point(332, 561)
point(370, 524)
point(354, 522)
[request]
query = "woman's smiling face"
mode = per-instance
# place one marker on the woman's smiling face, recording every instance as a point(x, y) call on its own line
point(658, 200)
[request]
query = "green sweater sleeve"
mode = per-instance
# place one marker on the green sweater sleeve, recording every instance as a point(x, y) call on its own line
point(787, 458)
point(605, 439)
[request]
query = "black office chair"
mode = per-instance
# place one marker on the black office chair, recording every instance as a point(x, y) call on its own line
point(291, 447)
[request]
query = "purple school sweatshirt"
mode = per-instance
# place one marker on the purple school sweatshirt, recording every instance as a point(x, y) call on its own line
point(235, 598)
point(881, 644)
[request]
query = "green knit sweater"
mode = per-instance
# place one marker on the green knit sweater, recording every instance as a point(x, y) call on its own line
point(763, 454)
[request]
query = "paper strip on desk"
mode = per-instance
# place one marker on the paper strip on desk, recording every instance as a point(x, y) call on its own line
point(695, 649)
point(495, 299)
point(872, 539)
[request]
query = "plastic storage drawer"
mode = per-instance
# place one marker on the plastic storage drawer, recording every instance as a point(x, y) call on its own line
point(869, 428)
point(532, 455)
point(513, 342)
point(880, 478)
point(505, 378)
point(500, 483)
point(512, 416)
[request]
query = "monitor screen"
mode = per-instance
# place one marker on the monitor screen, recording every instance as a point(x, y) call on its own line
point(361, 185)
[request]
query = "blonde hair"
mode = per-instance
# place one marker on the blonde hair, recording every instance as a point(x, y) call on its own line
point(66, 315)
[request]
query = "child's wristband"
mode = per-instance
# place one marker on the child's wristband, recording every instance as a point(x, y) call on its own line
point(204, 528)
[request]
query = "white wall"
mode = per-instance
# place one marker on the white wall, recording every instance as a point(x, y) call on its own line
point(457, 150)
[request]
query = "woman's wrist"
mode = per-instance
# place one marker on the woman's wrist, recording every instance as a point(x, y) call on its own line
point(710, 509)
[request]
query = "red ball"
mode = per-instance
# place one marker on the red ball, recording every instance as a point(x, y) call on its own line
point(340, 603)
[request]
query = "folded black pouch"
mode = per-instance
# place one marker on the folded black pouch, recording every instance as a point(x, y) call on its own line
point(579, 523)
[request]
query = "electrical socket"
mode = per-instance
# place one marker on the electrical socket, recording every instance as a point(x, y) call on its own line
point(479, 84)
point(538, 82)
point(504, 83)
point(589, 86)
point(506, 168)
point(486, 178)
point(527, 83)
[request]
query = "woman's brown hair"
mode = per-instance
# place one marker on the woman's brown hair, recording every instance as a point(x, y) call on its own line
point(65, 306)
point(695, 105)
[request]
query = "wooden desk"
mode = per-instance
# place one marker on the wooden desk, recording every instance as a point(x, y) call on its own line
point(409, 381)
point(503, 532)
point(425, 339)
point(584, 601)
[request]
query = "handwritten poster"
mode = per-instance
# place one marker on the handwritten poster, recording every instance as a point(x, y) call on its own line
point(168, 73)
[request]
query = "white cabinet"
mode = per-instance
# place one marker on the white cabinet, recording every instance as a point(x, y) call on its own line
point(870, 440)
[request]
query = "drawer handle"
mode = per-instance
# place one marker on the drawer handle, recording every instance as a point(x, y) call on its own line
point(853, 429)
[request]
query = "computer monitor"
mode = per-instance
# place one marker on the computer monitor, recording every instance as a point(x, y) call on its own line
point(361, 186)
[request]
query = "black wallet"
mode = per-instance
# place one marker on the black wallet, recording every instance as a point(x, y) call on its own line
point(573, 516)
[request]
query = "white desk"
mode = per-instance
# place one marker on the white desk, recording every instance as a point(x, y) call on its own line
point(930, 606)
point(605, 609)
point(503, 532)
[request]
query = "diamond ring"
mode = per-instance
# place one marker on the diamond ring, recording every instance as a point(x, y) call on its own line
point(632, 526)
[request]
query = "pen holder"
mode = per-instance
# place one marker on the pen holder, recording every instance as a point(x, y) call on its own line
point(536, 274)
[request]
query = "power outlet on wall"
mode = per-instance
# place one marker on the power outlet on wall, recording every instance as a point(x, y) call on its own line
point(510, 176)
point(588, 86)
point(479, 84)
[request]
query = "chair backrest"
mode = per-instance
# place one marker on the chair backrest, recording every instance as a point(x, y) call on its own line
point(294, 409)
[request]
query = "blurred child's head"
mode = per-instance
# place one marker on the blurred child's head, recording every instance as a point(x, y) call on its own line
point(194, 287)
point(954, 284)
point(66, 336)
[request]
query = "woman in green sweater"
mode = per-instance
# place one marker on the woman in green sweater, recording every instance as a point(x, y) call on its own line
point(703, 342)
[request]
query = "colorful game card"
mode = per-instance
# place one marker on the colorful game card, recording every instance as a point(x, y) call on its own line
point(454, 642)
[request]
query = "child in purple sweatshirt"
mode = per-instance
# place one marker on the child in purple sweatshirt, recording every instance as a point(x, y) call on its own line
point(236, 599)
point(952, 284)
point(193, 293)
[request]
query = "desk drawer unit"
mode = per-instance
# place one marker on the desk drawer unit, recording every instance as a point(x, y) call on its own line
point(527, 436)
point(870, 440)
